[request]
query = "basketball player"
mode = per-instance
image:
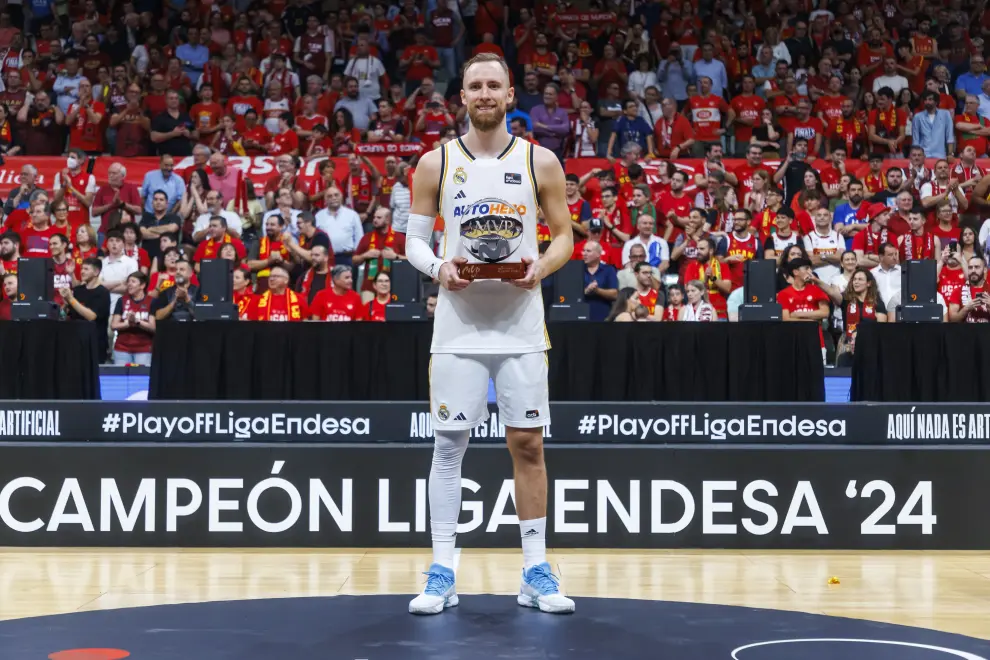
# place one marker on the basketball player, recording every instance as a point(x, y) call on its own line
point(487, 186)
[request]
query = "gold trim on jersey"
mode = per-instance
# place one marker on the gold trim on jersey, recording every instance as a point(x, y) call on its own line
point(532, 174)
point(508, 148)
point(444, 161)
point(429, 381)
point(546, 336)
point(460, 145)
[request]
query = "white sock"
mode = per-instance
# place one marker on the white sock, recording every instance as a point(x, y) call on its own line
point(445, 493)
point(534, 541)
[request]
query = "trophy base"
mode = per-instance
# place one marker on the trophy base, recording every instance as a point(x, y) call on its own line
point(509, 271)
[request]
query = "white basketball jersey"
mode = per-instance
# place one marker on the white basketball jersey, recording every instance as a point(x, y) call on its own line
point(489, 209)
point(832, 243)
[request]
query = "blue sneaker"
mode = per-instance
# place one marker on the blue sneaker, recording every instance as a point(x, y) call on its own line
point(438, 594)
point(540, 589)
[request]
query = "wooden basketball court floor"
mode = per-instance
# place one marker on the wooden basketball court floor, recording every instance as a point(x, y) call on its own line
point(946, 591)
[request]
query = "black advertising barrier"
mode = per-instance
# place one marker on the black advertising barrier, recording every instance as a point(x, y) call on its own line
point(607, 496)
point(405, 422)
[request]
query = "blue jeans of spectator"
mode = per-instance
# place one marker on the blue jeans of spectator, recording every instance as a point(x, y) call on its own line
point(448, 61)
point(123, 357)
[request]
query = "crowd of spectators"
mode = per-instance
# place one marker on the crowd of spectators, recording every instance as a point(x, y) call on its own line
point(641, 84)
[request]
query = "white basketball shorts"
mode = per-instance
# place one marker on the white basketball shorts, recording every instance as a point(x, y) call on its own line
point(459, 390)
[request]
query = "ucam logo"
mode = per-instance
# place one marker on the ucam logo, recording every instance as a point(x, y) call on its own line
point(738, 654)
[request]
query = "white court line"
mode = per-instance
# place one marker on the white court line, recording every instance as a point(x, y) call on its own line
point(959, 654)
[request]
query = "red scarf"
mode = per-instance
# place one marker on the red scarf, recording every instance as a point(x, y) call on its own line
point(922, 176)
point(856, 312)
point(212, 247)
point(670, 313)
point(765, 223)
point(666, 129)
point(292, 299)
point(924, 248)
point(887, 123)
point(389, 239)
point(307, 282)
point(875, 182)
point(852, 136)
point(78, 256)
point(870, 247)
point(265, 247)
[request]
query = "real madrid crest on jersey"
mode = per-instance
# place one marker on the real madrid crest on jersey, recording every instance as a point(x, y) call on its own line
point(460, 176)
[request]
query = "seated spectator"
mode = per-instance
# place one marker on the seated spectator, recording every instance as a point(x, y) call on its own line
point(165, 179)
point(340, 302)
point(708, 269)
point(164, 279)
point(918, 243)
point(243, 296)
point(133, 323)
point(802, 299)
point(90, 301)
point(9, 294)
point(383, 296)
point(627, 308)
point(378, 249)
point(117, 194)
point(217, 235)
point(866, 244)
point(791, 253)
point(647, 291)
point(176, 301)
point(84, 247)
point(341, 224)
point(271, 249)
point(697, 307)
point(278, 302)
point(888, 273)
point(117, 266)
point(213, 205)
point(861, 303)
point(10, 252)
point(970, 303)
point(676, 299)
point(600, 282)
point(657, 252)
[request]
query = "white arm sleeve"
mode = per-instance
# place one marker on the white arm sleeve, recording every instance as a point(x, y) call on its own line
point(419, 233)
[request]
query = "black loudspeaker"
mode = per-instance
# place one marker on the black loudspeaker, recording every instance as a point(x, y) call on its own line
point(760, 292)
point(760, 281)
point(216, 291)
point(35, 280)
point(919, 282)
point(216, 280)
point(568, 283)
point(405, 282)
point(35, 291)
point(405, 311)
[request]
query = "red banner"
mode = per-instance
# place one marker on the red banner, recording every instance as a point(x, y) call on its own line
point(591, 18)
point(390, 148)
point(260, 168)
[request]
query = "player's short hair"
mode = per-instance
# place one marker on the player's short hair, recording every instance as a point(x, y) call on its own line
point(481, 58)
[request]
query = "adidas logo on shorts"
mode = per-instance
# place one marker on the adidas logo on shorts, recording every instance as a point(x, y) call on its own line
point(460, 195)
point(460, 418)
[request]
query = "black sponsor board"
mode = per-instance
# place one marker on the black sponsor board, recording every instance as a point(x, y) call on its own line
point(404, 422)
point(608, 496)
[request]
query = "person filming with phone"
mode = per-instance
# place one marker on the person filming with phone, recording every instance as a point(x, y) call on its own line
point(970, 303)
point(792, 170)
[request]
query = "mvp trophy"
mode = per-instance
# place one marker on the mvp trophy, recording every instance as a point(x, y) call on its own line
point(492, 239)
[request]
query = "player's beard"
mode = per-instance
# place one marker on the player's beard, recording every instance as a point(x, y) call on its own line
point(487, 121)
